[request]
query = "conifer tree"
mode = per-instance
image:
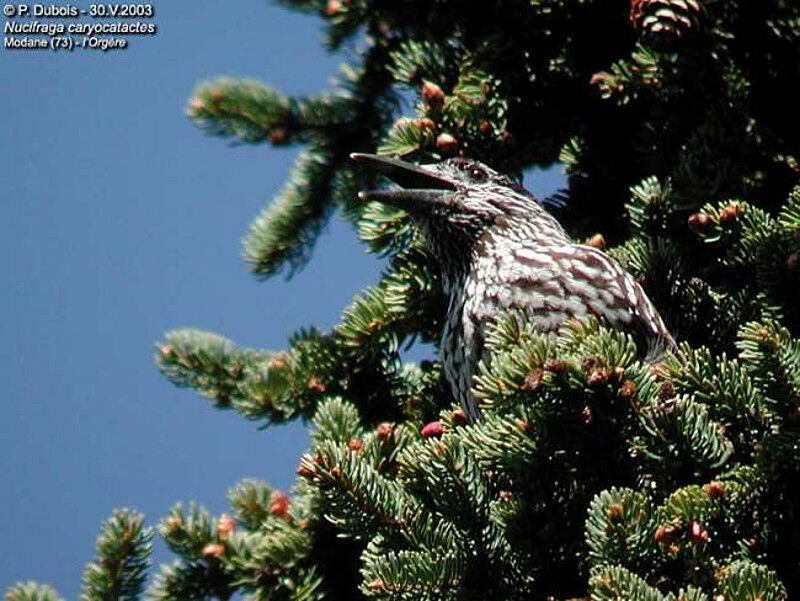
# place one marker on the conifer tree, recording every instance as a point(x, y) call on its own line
point(591, 474)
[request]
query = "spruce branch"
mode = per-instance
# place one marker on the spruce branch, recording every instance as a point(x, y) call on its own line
point(385, 230)
point(447, 477)
point(616, 583)
point(789, 217)
point(358, 499)
point(411, 574)
point(31, 591)
point(747, 581)
point(725, 387)
point(406, 303)
point(215, 367)
point(123, 556)
point(642, 73)
point(336, 420)
point(705, 440)
point(244, 110)
point(285, 231)
point(618, 529)
point(408, 136)
point(650, 209)
point(415, 61)
point(183, 580)
point(187, 533)
point(772, 358)
point(502, 443)
point(273, 562)
point(251, 501)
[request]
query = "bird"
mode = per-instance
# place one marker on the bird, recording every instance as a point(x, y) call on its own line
point(499, 251)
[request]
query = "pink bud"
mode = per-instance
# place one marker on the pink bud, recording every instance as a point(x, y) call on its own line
point(226, 525)
point(278, 504)
point(213, 550)
point(433, 430)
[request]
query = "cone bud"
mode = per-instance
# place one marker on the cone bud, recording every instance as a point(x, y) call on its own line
point(226, 525)
point(432, 430)
point(384, 431)
point(533, 380)
point(699, 223)
point(459, 417)
point(432, 95)
point(333, 7)
point(597, 241)
point(278, 503)
point(212, 550)
point(446, 143)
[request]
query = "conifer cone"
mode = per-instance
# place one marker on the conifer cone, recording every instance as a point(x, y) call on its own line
point(665, 18)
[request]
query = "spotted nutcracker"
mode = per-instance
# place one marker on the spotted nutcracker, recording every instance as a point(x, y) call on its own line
point(500, 251)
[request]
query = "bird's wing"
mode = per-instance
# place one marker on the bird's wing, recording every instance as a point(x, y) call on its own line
point(555, 283)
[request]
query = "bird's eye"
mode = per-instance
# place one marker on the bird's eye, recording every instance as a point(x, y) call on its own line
point(477, 175)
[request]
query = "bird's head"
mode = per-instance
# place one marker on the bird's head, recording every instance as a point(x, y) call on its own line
point(457, 201)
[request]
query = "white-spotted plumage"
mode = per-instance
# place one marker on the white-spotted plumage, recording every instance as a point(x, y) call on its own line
point(552, 284)
point(500, 251)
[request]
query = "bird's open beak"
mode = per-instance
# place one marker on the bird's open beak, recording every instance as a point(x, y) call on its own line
point(421, 188)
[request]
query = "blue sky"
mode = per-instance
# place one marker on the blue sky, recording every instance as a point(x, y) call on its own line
point(119, 221)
